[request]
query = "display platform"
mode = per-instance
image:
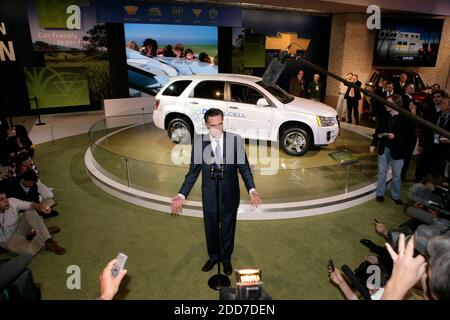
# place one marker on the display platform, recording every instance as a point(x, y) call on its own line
point(138, 163)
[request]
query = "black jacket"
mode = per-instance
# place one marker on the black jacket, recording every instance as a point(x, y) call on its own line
point(395, 125)
point(14, 190)
point(229, 186)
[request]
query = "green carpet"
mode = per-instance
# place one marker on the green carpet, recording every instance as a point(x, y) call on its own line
point(167, 253)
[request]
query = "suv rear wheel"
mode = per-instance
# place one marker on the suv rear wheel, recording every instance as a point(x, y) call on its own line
point(295, 141)
point(179, 130)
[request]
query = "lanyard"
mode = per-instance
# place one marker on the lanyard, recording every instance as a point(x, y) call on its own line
point(2, 225)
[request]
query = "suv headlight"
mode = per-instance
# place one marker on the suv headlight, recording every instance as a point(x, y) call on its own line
point(325, 121)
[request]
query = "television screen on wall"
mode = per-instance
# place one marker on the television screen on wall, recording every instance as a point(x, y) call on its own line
point(157, 52)
point(412, 42)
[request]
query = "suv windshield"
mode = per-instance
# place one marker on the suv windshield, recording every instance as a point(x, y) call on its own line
point(277, 92)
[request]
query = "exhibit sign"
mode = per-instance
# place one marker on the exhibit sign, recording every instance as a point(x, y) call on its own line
point(57, 87)
point(7, 53)
point(166, 13)
point(62, 25)
point(254, 51)
point(157, 52)
point(412, 42)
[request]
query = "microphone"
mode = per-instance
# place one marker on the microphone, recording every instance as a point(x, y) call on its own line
point(356, 283)
point(275, 68)
point(420, 215)
point(419, 193)
point(212, 170)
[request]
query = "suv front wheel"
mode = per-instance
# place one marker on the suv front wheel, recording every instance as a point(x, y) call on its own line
point(180, 131)
point(295, 141)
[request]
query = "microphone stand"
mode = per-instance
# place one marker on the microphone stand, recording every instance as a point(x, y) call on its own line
point(218, 281)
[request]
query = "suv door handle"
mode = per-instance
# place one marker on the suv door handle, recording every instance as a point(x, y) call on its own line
point(193, 102)
point(233, 107)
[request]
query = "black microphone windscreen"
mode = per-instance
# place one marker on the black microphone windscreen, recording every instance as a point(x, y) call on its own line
point(420, 215)
point(273, 71)
point(419, 193)
point(356, 283)
point(11, 269)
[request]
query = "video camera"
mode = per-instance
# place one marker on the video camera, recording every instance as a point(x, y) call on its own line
point(430, 227)
point(437, 200)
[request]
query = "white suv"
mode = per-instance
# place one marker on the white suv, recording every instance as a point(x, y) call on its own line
point(252, 109)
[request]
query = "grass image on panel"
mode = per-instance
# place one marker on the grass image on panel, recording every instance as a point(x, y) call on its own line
point(96, 69)
point(57, 87)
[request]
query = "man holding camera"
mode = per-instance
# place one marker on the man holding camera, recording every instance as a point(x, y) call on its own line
point(389, 140)
point(25, 232)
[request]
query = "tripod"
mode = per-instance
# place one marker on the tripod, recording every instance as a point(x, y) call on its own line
point(218, 281)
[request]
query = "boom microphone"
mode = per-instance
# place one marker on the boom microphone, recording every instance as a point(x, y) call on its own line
point(421, 215)
point(356, 283)
point(275, 69)
point(419, 193)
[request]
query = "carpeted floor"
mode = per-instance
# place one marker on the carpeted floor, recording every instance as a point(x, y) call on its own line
point(167, 253)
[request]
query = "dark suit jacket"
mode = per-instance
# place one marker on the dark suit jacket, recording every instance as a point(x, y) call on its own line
point(297, 87)
point(395, 125)
point(14, 190)
point(235, 160)
point(400, 89)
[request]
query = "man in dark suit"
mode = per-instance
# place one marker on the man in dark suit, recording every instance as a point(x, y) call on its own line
point(297, 87)
point(216, 150)
point(384, 92)
point(409, 127)
point(427, 144)
point(400, 86)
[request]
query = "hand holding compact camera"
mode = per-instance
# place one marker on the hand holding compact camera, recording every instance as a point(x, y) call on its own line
point(331, 265)
point(119, 265)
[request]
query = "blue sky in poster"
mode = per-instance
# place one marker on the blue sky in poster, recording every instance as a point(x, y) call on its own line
point(171, 34)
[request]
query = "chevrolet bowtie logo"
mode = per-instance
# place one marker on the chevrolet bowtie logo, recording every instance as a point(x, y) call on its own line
point(283, 40)
point(197, 12)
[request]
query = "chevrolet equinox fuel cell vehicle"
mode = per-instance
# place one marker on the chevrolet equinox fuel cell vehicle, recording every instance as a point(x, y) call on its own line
point(251, 109)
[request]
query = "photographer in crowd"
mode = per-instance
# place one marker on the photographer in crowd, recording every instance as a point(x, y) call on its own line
point(388, 139)
point(433, 273)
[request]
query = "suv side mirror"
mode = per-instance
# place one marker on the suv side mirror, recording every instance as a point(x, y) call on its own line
point(262, 102)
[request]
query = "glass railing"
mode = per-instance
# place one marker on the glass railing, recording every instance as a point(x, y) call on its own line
point(133, 152)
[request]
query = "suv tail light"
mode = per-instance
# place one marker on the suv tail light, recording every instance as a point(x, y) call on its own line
point(157, 104)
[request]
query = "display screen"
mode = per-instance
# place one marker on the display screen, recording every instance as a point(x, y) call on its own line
point(157, 52)
point(412, 42)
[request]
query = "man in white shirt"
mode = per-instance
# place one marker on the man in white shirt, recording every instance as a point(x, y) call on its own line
point(25, 232)
point(341, 107)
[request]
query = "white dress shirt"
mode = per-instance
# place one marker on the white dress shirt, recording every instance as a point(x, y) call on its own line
point(214, 141)
point(10, 218)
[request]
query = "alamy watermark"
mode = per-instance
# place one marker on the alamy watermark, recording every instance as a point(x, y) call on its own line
point(374, 20)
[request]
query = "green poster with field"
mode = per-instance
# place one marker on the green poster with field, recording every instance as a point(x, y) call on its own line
point(254, 51)
point(57, 87)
